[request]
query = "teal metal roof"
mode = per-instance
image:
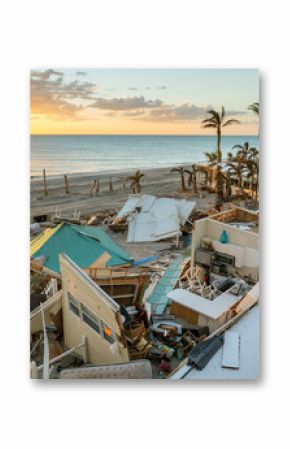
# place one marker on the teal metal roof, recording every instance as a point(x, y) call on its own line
point(158, 297)
point(83, 244)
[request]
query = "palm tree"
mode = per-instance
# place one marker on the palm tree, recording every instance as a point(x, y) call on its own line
point(237, 168)
point(227, 178)
point(135, 181)
point(253, 153)
point(253, 167)
point(218, 121)
point(181, 170)
point(254, 107)
point(246, 151)
point(192, 178)
point(212, 161)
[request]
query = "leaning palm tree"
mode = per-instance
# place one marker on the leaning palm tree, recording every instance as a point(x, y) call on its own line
point(254, 107)
point(181, 170)
point(135, 181)
point(218, 121)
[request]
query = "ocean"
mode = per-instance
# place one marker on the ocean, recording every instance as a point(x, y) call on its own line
point(59, 154)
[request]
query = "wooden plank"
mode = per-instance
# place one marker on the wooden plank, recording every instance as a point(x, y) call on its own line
point(231, 350)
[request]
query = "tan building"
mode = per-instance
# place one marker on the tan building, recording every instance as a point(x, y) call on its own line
point(88, 310)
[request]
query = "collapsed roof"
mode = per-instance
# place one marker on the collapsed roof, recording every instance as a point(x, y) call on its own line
point(83, 244)
point(151, 219)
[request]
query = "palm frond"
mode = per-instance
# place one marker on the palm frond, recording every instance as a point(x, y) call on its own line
point(237, 146)
point(209, 125)
point(254, 107)
point(231, 121)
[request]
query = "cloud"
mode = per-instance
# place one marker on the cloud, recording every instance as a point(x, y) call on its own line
point(81, 73)
point(125, 104)
point(132, 88)
point(50, 96)
point(183, 112)
point(228, 113)
point(45, 75)
point(161, 87)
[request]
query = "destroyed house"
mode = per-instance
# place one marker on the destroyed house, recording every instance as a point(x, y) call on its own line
point(89, 321)
point(87, 246)
point(237, 254)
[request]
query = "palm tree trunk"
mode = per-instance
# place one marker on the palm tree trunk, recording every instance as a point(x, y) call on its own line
point(194, 188)
point(182, 182)
point(219, 148)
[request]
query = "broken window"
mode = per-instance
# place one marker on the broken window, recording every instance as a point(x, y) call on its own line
point(91, 319)
point(73, 304)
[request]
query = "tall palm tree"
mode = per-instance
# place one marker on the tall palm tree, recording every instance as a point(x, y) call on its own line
point(135, 181)
point(181, 170)
point(218, 121)
point(254, 107)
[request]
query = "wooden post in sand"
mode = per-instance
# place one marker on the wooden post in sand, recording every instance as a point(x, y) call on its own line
point(98, 186)
point(110, 184)
point(45, 183)
point(66, 184)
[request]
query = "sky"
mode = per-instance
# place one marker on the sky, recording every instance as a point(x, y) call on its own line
point(140, 101)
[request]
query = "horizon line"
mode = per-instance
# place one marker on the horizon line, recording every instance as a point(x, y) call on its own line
point(140, 134)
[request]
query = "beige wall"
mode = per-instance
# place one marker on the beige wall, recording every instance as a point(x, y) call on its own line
point(236, 236)
point(213, 229)
point(84, 290)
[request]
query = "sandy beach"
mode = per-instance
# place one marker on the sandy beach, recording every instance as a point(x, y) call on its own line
point(159, 182)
